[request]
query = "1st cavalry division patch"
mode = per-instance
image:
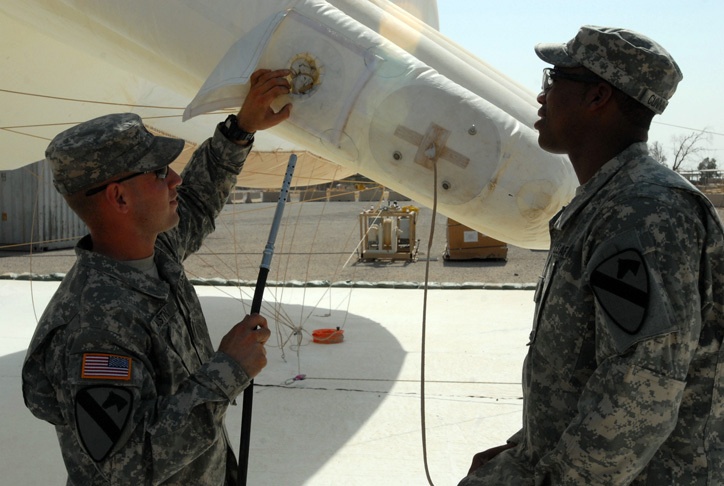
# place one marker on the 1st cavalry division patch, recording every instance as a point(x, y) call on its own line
point(101, 413)
point(621, 285)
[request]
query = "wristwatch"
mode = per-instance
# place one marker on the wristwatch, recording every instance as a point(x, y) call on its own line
point(230, 129)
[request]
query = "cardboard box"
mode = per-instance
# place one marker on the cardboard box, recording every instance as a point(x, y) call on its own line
point(464, 243)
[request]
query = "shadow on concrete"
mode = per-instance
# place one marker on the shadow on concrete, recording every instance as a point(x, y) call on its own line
point(297, 426)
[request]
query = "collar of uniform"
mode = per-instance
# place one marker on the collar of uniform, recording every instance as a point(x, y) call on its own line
point(587, 191)
point(168, 267)
point(117, 270)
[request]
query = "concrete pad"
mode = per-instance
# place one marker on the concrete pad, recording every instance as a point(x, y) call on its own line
point(355, 417)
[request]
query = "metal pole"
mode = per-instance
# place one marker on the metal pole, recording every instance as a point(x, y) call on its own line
point(255, 308)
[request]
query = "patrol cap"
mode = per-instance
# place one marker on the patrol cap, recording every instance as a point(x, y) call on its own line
point(631, 62)
point(104, 147)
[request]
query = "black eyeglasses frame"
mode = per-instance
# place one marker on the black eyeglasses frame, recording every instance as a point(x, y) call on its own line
point(161, 174)
point(551, 74)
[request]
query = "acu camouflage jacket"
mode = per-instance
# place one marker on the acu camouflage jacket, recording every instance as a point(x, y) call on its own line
point(122, 364)
point(624, 379)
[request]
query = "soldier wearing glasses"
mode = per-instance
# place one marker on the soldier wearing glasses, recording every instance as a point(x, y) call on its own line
point(121, 362)
point(624, 378)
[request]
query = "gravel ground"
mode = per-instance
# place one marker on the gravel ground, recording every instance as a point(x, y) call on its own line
point(316, 241)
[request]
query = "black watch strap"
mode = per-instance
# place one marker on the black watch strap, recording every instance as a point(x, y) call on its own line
point(230, 129)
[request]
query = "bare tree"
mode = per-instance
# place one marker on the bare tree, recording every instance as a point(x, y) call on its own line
point(656, 150)
point(686, 146)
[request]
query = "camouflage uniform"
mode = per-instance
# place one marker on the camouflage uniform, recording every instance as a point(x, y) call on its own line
point(623, 380)
point(122, 363)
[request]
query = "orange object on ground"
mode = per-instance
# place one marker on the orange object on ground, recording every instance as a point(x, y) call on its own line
point(328, 336)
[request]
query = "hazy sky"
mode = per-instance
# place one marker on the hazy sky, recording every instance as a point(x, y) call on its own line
point(503, 34)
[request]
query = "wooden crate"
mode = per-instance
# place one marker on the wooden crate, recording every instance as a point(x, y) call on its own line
point(464, 243)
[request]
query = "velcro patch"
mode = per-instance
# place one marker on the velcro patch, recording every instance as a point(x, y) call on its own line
point(106, 366)
point(621, 285)
point(101, 414)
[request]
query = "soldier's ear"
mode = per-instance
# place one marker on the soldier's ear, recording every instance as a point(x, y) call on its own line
point(115, 196)
point(599, 95)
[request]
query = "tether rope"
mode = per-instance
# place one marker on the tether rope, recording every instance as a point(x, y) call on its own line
point(134, 105)
point(423, 420)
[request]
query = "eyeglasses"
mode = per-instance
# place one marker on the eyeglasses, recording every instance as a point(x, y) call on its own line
point(551, 74)
point(161, 174)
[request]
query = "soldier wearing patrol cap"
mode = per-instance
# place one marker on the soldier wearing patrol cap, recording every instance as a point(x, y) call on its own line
point(624, 379)
point(121, 362)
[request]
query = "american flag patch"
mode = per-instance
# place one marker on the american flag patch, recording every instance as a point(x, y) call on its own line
point(106, 366)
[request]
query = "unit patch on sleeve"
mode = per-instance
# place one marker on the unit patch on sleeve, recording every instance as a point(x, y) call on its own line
point(621, 285)
point(101, 413)
point(106, 366)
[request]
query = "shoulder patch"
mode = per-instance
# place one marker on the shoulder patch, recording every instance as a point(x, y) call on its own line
point(621, 285)
point(106, 366)
point(101, 413)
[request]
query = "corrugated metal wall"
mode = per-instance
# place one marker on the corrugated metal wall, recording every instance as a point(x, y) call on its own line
point(33, 214)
